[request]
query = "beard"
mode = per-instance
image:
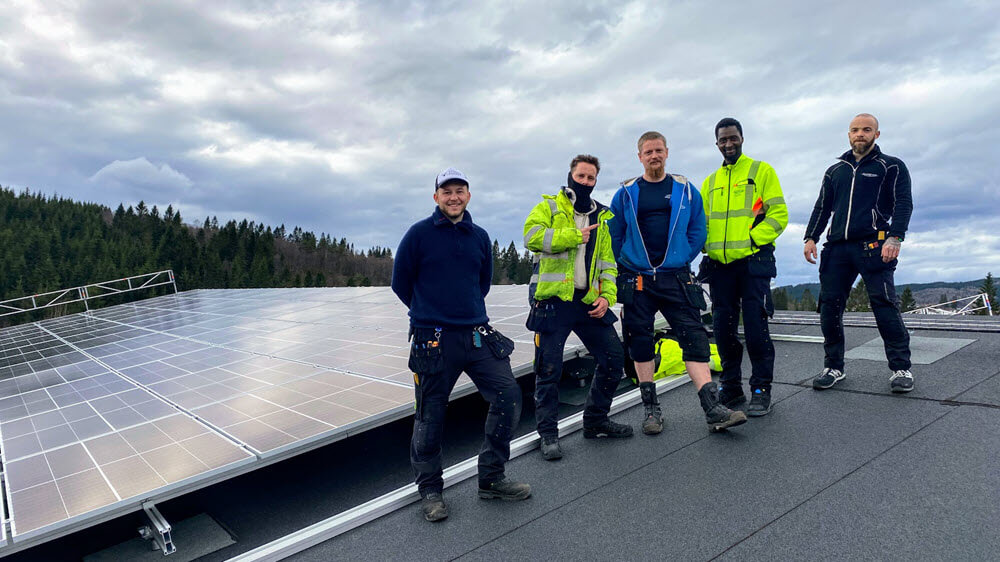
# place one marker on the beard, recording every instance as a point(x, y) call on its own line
point(862, 147)
point(656, 172)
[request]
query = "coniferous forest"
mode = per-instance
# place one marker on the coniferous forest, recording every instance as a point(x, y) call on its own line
point(49, 243)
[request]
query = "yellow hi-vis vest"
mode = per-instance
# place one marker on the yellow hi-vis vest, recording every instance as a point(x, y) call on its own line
point(744, 208)
point(550, 231)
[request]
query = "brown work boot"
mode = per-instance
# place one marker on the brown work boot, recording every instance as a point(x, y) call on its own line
point(653, 422)
point(718, 416)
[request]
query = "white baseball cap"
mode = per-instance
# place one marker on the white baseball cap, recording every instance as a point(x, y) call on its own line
point(450, 174)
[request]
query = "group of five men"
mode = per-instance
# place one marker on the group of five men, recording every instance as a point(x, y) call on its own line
point(639, 253)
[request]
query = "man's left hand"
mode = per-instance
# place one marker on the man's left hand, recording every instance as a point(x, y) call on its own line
point(890, 250)
point(600, 307)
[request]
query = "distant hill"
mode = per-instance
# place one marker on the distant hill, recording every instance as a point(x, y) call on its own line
point(923, 293)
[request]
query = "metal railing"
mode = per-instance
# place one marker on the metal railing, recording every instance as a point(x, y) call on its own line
point(964, 305)
point(85, 293)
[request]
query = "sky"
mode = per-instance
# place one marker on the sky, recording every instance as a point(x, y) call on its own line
point(336, 116)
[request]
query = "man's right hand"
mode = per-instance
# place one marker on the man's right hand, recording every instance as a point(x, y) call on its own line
point(586, 232)
point(810, 251)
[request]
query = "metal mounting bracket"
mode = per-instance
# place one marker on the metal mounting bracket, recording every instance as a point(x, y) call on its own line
point(158, 530)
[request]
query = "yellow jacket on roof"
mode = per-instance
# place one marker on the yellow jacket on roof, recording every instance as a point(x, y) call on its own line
point(744, 208)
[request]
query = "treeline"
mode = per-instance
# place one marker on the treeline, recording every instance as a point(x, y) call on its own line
point(49, 243)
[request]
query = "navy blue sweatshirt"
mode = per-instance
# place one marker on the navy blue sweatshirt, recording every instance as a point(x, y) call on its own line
point(442, 272)
point(654, 216)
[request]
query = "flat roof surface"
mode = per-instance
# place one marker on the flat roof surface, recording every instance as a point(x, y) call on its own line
point(853, 472)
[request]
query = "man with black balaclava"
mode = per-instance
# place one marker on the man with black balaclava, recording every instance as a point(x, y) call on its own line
point(572, 291)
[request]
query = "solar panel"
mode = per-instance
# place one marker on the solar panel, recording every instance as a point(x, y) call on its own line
point(110, 408)
point(77, 438)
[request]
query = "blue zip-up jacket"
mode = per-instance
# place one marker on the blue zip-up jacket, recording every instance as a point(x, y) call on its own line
point(687, 228)
point(442, 272)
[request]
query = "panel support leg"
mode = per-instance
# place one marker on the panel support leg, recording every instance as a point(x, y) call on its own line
point(158, 530)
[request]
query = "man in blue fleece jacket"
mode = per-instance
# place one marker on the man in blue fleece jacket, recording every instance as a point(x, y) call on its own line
point(659, 219)
point(442, 273)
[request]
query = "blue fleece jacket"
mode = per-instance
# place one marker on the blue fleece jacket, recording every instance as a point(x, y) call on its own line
point(442, 272)
point(687, 228)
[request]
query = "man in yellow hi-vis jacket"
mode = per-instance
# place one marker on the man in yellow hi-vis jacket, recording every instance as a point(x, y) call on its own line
point(572, 291)
point(746, 212)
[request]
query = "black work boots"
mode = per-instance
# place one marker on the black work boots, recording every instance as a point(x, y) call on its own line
point(653, 422)
point(504, 490)
point(433, 507)
point(718, 416)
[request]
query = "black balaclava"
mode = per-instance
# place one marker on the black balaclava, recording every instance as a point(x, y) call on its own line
point(579, 194)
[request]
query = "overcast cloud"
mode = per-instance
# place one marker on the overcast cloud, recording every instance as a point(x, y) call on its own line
point(337, 116)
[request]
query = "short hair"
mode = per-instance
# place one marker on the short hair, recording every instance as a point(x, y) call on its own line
point(651, 135)
point(586, 159)
point(728, 122)
point(869, 115)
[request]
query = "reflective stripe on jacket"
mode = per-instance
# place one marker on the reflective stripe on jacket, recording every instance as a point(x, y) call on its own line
point(551, 233)
point(744, 209)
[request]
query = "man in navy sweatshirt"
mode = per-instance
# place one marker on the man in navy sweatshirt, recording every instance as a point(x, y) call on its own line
point(442, 273)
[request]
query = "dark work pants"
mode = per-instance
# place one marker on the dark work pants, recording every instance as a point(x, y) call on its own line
point(668, 295)
point(840, 263)
point(735, 290)
point(601, 341)
point(495, 382)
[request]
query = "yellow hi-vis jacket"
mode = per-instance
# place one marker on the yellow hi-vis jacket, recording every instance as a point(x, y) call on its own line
point(744, 208)
point(550, 231)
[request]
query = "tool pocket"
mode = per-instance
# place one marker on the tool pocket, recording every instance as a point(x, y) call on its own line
point(425, 352)
point(500, 345)
point(871, 256)
point(692, 290)
point(763, 264)
point(541, 316)
point(626, 287)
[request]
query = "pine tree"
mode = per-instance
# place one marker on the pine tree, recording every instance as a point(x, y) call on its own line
point(808, 301)
point(906, 301)
point(857, 300)
point(780, 298)
point(989, 288)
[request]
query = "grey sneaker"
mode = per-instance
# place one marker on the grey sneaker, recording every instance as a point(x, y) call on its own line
point(433, 507)
point(901, 381)
point(504, 490)
point(550, 449)
point(828, 378)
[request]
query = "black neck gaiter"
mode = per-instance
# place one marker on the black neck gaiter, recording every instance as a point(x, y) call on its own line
point(579, 194)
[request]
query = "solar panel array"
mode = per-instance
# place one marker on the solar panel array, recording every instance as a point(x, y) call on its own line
point(104, 410)
point(958, 323)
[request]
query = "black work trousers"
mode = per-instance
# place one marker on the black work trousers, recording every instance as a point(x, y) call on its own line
point(493, 378)
point(601, 340)
point(735, 288)
point(678, 302)
point(840, 263)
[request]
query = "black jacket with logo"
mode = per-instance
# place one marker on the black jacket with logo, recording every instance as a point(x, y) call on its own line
point(864, 198)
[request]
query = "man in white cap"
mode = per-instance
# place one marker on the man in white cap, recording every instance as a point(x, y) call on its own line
point(442, 273)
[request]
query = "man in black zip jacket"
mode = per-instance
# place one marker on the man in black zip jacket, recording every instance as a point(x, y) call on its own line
point(442, 273)
point(868, 194)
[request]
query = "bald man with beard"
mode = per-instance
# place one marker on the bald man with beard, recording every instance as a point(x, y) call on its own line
point(868, 195)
